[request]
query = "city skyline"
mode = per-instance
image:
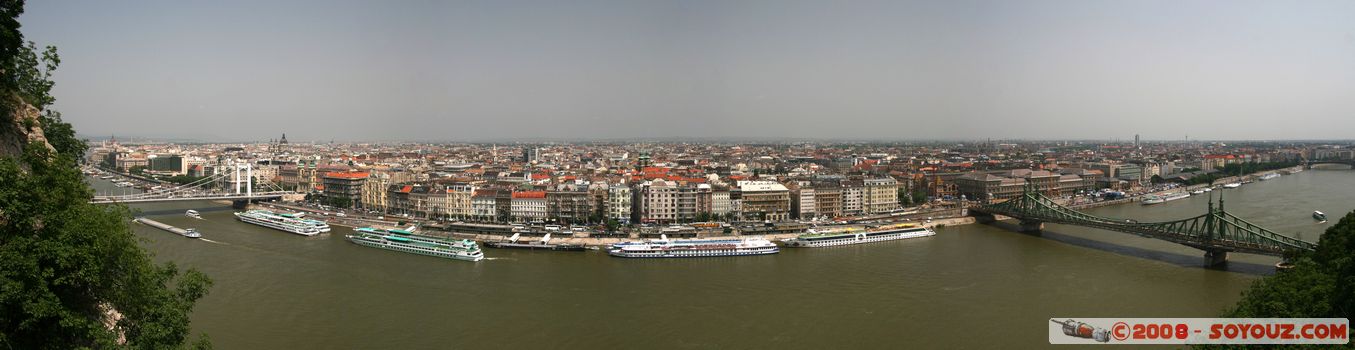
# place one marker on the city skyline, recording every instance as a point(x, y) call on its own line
point(590, 71)
point(520, 174)
point(697, 140)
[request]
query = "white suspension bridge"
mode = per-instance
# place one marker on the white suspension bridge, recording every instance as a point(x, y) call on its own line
point(240, 176)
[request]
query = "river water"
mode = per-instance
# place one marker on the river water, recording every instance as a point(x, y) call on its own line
point(970, 286)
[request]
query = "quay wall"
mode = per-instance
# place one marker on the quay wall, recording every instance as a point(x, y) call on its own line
point(939, 218)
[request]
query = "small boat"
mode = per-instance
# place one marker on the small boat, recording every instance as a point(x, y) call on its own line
point(192, 214)
point(1268, 176)
point(1232, 185)
point(1197, 192)
point(191, 233)
point(1319, 216)
point(543, 244)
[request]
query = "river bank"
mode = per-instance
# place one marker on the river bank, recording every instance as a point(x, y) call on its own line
point(931, 219)
point(605, 241)
point(325, 292)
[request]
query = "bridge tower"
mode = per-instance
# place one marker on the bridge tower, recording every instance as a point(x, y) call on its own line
point(1214, 229)
point(1216, 232)
point(248, 182)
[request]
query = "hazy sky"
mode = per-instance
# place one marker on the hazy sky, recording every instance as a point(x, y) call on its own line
point(455, 71)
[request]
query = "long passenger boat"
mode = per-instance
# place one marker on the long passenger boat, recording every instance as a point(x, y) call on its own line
point(619, 245)
point(1159, 199)
point(694, 248)
point(319, 225)
point(417, 244)
point(277, 222)
point(409, 233)
point(830, 238)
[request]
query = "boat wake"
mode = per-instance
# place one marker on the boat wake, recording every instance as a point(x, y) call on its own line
point(489, 258)
point(211, 241)
point(952, 289)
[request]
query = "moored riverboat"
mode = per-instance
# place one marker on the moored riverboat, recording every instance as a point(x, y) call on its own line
point(847, 236)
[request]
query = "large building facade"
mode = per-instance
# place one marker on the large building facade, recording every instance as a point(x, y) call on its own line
point(344, 188)
point(764, 200)
point(880, 195)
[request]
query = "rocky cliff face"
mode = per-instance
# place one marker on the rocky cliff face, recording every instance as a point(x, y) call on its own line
point(19, 128)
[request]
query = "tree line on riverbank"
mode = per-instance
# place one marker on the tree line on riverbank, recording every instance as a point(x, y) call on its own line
point(1228, 170)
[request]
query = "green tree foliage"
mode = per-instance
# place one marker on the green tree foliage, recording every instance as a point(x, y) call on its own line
point(1237, 169)
point(185, 179)
point(1321, 283)
point(65, 262)
point(338, 202)
point(66, 265)
point(919, 197)
point(30, 73)
point(61, 135)
point(1206, 179)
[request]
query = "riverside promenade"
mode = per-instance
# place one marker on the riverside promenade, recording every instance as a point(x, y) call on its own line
point(939, 218)
point(605, 241)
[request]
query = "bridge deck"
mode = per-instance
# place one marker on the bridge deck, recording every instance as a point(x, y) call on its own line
point(1216, 230)
point(171, 198)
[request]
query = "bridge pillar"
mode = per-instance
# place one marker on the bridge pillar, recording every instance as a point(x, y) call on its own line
point(1283, 266)
point(983, 218)
point(1215, 258)
point(1031, 226)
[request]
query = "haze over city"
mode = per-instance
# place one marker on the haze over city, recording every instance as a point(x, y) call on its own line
point(475, 71)
point(677, 174)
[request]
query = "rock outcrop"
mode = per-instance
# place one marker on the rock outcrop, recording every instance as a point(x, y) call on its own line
point(19, 128)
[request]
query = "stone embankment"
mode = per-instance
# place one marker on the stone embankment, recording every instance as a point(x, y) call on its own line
point(933, 218)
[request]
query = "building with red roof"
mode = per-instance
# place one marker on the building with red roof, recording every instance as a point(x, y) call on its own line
point(344, 188)
point(528, 206)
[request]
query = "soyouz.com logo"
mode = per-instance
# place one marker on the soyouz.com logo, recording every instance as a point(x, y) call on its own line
point(1199, 331)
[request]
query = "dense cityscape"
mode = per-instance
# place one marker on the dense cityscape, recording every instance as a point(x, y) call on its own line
point(684, 183)
point(311, 174)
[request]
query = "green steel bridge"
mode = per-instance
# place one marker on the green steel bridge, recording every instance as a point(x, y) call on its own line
point(1309, 163)
point(1216, 232)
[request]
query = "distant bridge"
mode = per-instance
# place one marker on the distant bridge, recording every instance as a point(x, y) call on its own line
point(188, 197)
point(1308, 164)
point(243, 182)
point(1216, 232)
